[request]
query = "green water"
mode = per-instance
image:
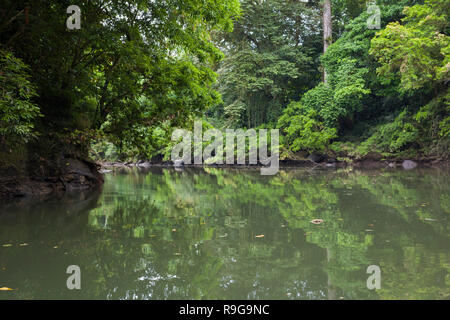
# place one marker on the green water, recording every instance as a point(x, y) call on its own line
point(234, 234)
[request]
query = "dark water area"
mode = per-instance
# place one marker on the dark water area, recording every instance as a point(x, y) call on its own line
point(211, 233)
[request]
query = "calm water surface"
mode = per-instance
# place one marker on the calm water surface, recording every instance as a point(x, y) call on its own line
point(234, 234)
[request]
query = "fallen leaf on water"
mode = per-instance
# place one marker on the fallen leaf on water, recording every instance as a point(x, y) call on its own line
point(259, 236)
point(6, 289)
point(317, 221)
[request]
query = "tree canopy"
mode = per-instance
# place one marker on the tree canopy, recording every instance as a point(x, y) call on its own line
point(137, 69)
point(131, 66)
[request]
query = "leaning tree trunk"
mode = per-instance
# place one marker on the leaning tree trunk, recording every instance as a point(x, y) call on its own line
point(327, 30)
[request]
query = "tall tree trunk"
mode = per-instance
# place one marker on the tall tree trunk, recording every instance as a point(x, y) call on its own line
point(327, 30)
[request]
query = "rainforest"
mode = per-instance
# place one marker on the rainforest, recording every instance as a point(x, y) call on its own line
point(354, 94)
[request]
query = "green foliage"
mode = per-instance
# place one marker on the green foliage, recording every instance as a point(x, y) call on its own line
point(417, 51)
point(391, 137)
point(104, 150)
point(350, 78)
point(356, 91)
point(320, 101)
point(271, 58)
point(131, 66)
point(350, 89)
point(133, 80)
point(17, 110)
point(302, 129)
point(315, 121)
point(415, 55)
point(370, 110)
point(426, 130)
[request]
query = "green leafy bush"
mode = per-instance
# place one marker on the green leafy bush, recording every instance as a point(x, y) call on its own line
point(418, 50)
point(391, 137)
point(302, 129)
point(427, 130)
point(17, 111)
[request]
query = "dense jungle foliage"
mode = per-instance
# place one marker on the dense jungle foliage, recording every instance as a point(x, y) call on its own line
point(116, 88)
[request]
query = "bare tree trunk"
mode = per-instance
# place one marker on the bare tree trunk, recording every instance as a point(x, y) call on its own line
point(327, 30)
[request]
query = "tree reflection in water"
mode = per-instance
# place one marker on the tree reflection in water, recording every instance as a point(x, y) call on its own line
point(233, 234)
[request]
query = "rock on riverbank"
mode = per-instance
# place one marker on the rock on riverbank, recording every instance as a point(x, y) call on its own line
point(68, 174)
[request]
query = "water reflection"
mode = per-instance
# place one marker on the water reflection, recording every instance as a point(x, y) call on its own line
point(234, 234)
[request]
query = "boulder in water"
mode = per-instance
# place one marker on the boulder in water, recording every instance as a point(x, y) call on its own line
point(409, 165)
point(144, 164)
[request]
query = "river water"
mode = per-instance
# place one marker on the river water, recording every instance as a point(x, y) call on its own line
point(233, 234)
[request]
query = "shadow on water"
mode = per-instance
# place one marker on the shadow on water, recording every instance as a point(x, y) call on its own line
point(211, 233)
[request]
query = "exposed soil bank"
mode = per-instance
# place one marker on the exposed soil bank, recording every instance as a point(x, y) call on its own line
point(70, 174)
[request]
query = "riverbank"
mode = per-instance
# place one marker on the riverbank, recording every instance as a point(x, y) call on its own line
point(68, 175)
point(79, 174)
point(407, 164)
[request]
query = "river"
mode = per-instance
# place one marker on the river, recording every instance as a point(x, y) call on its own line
point(214, 233)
